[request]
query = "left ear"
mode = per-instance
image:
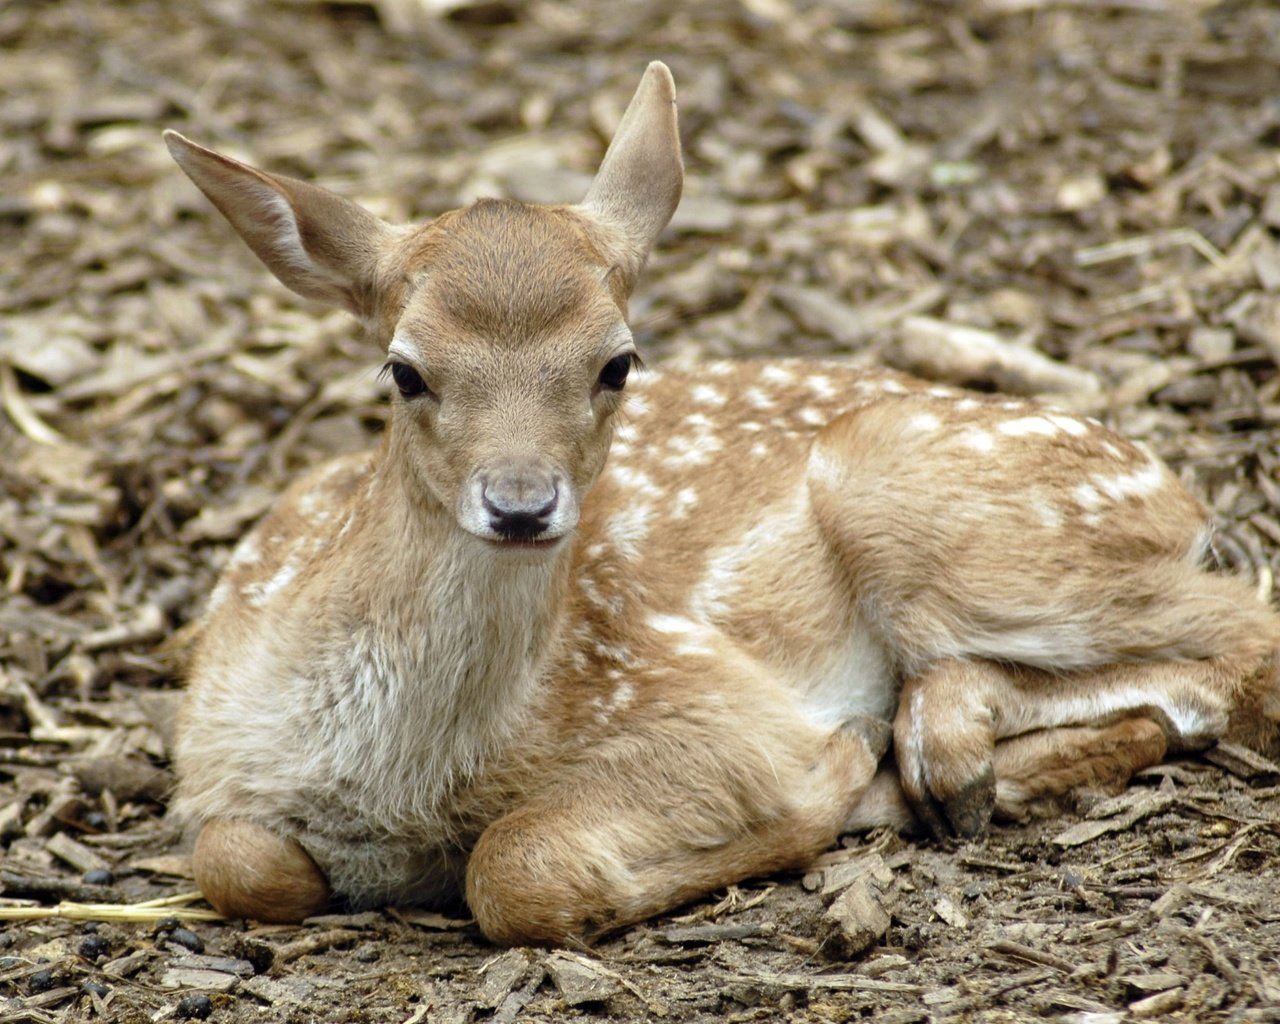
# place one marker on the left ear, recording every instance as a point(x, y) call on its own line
point(321, 245)
point(639, 182)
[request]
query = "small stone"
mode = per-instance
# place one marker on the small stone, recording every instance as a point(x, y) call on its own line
point(1081, 192)
point(284, 991)
point(221, 964)
point(259, 955)
point(199, 978)
point(194, 1007)
point(501, 976)
point(100, 876)
point(578, 980)
point(94, 946)
point(41, 981)
point(947, 909)
point(855, 922)
point(1146, 984)
point(1211, 344)
point(94, 988)
point(1158, 1005)
point(188, 939)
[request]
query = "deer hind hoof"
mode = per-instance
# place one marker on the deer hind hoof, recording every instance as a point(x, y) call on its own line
point(969, 810)
point(246, 870)
point(965, 813)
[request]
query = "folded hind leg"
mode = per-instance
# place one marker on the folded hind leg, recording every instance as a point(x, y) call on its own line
point(950, 718)
point(246, 870)
point(1030, 771)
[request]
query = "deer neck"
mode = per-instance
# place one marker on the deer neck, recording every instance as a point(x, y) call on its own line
point(458, 647)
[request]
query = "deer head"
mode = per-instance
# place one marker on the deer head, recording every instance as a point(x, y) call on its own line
point(504, 324)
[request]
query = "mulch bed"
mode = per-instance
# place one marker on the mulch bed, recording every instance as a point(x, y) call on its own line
point(1064, 198)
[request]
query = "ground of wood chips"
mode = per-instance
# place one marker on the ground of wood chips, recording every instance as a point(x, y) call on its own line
point(958, 188)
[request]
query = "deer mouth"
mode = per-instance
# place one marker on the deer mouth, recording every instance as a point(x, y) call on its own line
point(525, 543)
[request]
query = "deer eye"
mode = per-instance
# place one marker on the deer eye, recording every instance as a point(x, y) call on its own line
point(614, 374)
point(408, 380)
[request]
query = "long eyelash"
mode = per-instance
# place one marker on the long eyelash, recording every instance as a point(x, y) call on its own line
point(385, 372)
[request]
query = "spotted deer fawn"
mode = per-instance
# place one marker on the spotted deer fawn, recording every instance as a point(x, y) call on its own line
point(583, 644)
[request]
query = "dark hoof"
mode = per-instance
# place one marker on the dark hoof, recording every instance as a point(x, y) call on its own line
point(969, 811)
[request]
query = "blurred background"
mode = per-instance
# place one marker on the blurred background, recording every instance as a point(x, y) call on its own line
point(1097, 181)
point(1079, 199)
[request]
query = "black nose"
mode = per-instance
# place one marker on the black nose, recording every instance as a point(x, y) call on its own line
point(520, 501)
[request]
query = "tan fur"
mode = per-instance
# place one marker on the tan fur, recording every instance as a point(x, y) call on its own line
point(585, 652)
point(246, 870)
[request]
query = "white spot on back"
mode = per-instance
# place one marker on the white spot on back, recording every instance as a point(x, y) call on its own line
point(247, 552)
point(1087, 498)
point(591, 591)
point(1139, 483)
point(261, 592)
point(664, 623)
point(629, 529)
point(691, 451)
point(977, 439)
point(694, 637)
point(684, 500)
point(1028, 425)
point(757, 399)
point(821, 385)
point(776, 374)
point(708, 395)
point(923, 423)
point(1050, 516)
point(219, 597)
point(635, 480)
point(1068, 423)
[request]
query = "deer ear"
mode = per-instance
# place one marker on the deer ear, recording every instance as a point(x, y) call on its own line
point(320, 245)
point(638, 185)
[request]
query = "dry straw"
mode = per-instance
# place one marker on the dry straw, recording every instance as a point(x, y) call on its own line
point(150, 910)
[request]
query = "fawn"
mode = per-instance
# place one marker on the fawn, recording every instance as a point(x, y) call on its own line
point(583, 645)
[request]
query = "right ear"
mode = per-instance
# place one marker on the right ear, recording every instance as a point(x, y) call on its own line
point(320, 245)
point(638, 186)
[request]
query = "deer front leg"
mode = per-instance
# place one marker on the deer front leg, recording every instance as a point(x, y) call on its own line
point(637, 831)
point(246, 870)
point(950, 718)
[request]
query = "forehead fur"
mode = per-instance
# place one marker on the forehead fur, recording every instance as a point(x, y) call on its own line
point(506, 271)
